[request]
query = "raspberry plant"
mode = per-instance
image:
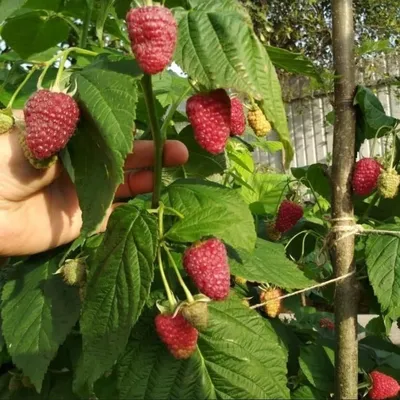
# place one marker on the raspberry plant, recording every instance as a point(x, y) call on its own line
point(179, 297)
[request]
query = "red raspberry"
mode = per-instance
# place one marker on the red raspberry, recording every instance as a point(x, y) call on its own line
point(177, 334)
point(327, 324)
point(288, 214)
point(365, 176)
point(210, 116)
point(238, 119)
point(153, 34)
point(206, 263)
point(383, 386)
point(51, 120)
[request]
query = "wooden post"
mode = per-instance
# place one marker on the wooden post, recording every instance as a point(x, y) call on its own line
point(346, 295)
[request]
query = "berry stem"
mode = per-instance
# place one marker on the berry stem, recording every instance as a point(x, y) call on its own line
point(171, 298)
point(158, 137)
point(172, 110)
point(370, 205)
point(189, 295)
point(19, 88)
point(49, 63)
point(61, 67)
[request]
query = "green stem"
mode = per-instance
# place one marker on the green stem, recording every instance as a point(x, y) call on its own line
point(189, 295)
point(315, 197)
point(85, 27)
point(171, 299)
point(370, 205)
point(172, 110)
point(61, 55)
point(158, 138)
point(63, 60)
point(394, 135)
point(19, 88)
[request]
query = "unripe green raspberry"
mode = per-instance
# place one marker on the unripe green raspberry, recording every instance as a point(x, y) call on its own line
point(196, 314)
point(388, 184)
point(74, 272)
point(6, 120)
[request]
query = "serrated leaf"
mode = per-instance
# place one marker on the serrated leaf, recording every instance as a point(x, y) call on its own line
point(29, 33)
point(169, 87)
point(316, 177)
point(38, 312)
point(209, 209)
point(8, 7)
point(316, 365)
point(372, 115)
point(382, 255)
point(268, 264)
point(201, 164)
point(267, 191)
point(120, 279)
point(220, 49)
point(309, 392)
point(104, 139)
point(295, 63)
point(239, 356)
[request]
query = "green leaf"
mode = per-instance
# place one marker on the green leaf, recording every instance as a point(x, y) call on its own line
point(239, 357)
point(105, 137)
point(8, 7)
point(308, 392)
point(201, 163)
point(314, 176)
point(220, 49)
point(382, 255)
point(220, 5)
point(122, 7)
point(30, 33)
point(268, 189)
point(38, 312)
point(268, 264)
point(372, 115)
point(209, 210)
point(271, 146)
point(120, 279)
point(168, 87)
point(296, 63)
point(316, 364)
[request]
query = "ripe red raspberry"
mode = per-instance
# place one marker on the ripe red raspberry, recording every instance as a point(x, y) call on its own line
point(288, 214)
point(153, 34)
point(177, 334)
point(238, 119)
point(210, 116)
point(383, 386)
point(206, 263)
point(327, 324)
point(51, 119)
point(365, 176)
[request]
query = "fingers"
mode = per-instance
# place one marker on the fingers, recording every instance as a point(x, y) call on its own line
point(175, 153)
point(20, 179)
point(135, 183)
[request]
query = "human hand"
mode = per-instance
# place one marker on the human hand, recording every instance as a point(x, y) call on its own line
point(39, 209)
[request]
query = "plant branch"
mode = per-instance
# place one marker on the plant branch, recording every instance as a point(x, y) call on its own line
point(158, 137)
point(346, 293)
point(303, 290)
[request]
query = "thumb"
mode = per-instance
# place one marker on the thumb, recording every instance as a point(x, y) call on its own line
point(20, 177)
